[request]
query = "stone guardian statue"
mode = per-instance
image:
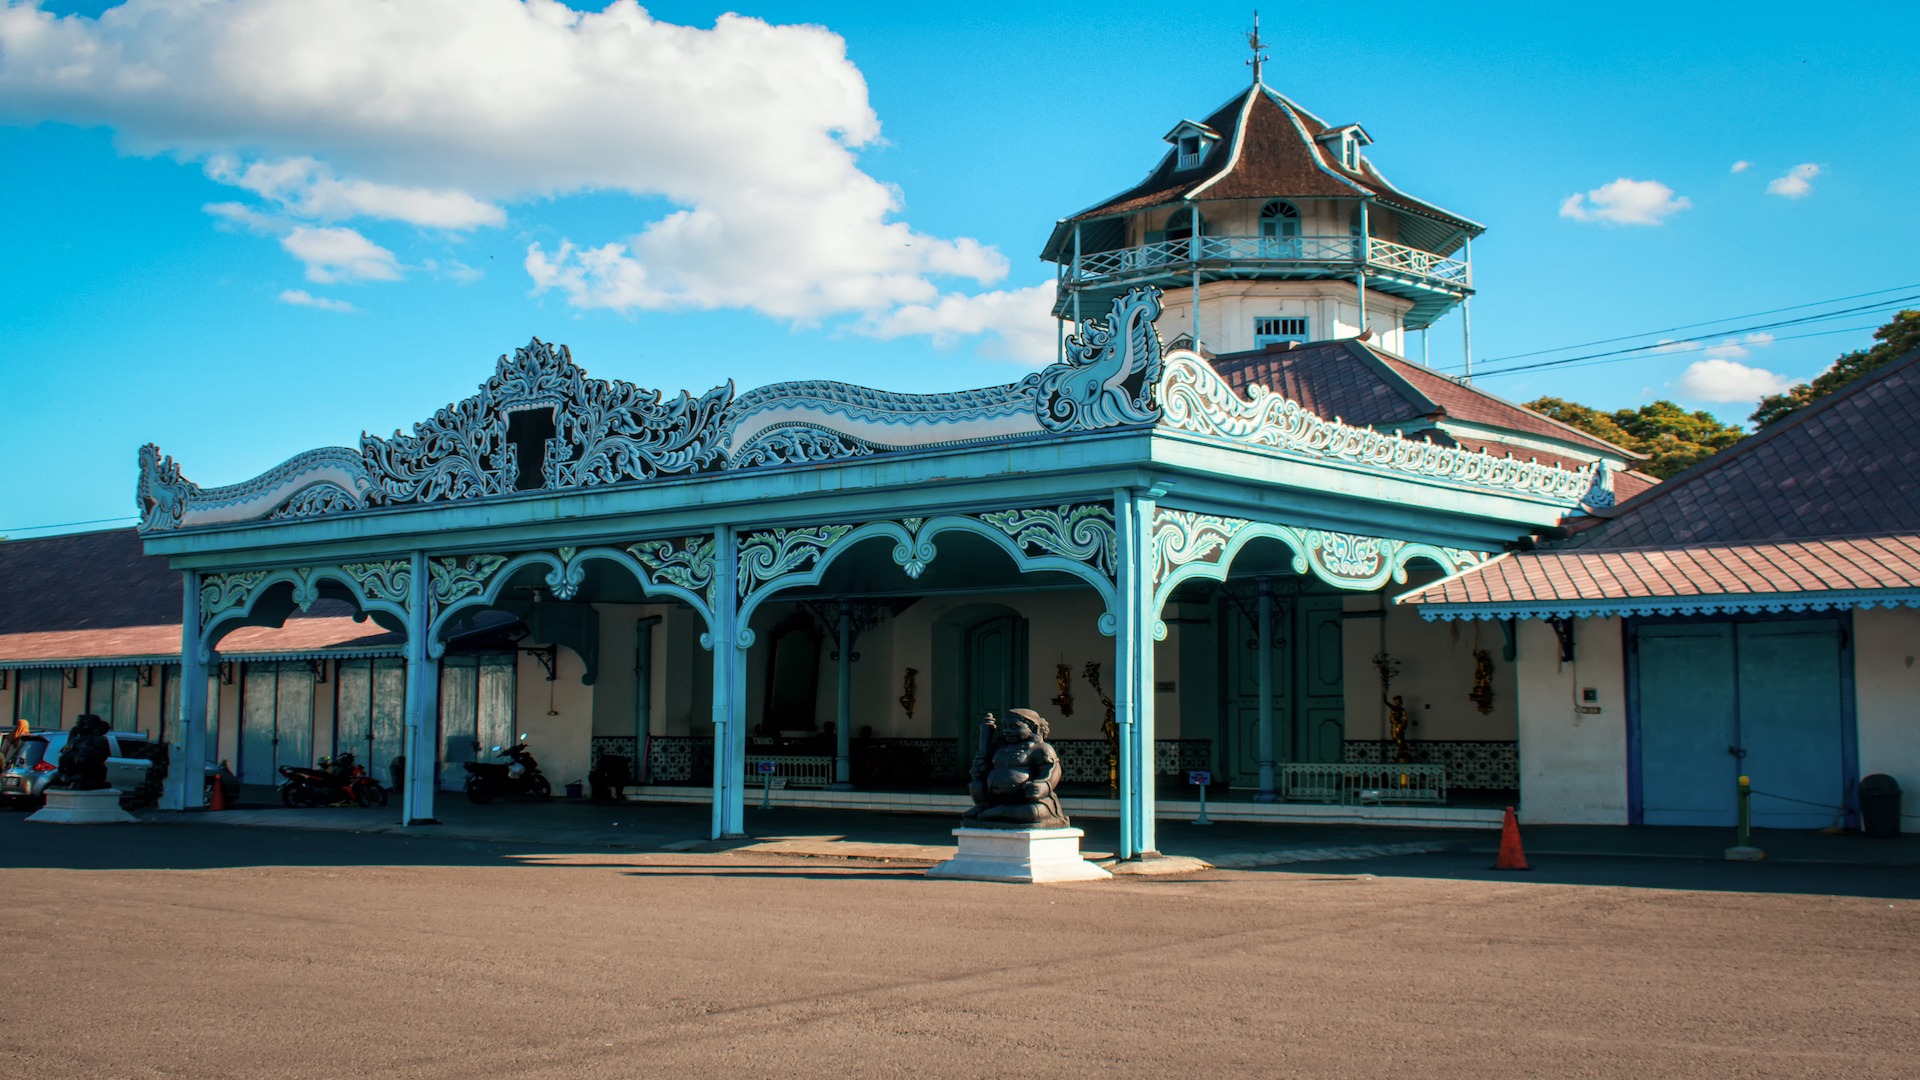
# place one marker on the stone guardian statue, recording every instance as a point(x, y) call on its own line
point(1016, 775)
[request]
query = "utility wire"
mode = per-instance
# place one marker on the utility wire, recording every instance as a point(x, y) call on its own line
point(64, 524)
point(1616, 359)
point(1691, 326)
point(1670, 344)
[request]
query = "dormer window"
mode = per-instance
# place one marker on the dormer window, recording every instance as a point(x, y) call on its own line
point(1191, 141)
point(1342, 145)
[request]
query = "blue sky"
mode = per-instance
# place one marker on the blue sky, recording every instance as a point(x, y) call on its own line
point(224, 238)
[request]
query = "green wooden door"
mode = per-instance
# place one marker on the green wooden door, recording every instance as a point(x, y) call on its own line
point(995, 657)
point(1309, 692)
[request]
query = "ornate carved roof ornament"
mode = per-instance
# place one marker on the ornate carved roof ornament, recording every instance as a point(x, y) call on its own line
point(540, 424)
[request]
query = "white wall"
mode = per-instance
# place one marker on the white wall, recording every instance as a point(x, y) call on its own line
point(1331, 308)
point(1886, 666)
point(1436, 672)
point(1573, 765)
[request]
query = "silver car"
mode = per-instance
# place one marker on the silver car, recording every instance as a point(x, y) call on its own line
point(35, 759)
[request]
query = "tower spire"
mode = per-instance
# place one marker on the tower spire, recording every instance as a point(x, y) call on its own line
point(1254, 43)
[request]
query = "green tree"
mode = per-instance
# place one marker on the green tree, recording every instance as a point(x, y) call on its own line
point(1897, 339)
point(1671, 437)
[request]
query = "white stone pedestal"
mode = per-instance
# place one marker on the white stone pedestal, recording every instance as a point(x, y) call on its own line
point(65, 807)
point(1024, 856)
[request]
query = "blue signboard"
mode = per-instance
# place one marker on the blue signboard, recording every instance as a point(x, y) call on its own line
point(766, 768)
point(1200, 779)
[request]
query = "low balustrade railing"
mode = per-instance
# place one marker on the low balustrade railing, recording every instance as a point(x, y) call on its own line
point(1278, 251)
point(1339, 782)
point(797, 771)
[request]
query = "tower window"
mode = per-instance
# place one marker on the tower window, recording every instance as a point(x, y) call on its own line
point(1190, 151)
point(1273, 330)
point(1350, 151)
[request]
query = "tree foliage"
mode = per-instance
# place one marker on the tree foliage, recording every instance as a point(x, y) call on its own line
point(1671, 437)
point(1896, 339)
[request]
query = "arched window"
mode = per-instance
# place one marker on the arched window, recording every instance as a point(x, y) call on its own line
point(1279, 230)
point(1182, 224)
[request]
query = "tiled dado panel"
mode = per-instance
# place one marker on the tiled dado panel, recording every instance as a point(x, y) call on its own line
point(1487, 765)
point(889, 763)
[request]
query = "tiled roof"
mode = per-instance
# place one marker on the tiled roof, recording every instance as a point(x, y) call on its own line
point(1825, 502)
point(1359, 384)
point(99, 596)
point(1277, 157)
point(1848, 465)
point(1676, 574)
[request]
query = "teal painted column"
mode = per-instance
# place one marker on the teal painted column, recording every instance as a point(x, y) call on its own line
point(843, 708)
point(1265, 638)
point(642, 691)
point(1133, 663)
point(423, 700)
point(187, 748)
point(729, 691)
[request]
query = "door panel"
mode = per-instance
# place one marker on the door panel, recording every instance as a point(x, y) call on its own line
point(459, 720)
point(1687, 724)
point(293, 714)
point(258, 690)
point(1790, 722)
point(1322, 731)
point(389, 716)
point(995, 654)
point(495, 703)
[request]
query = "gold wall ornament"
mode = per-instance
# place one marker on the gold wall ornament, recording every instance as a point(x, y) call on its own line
point(1063, 678)
point(1482, 693)
point(1108, 727)
point(907, 697)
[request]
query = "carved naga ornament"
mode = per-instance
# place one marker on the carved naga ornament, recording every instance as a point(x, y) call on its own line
point(540, 424)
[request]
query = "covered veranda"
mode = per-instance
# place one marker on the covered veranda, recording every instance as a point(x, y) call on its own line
point(1112, 489)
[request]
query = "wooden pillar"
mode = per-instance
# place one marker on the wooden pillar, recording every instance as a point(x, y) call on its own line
point(642, 692)
point(843, 705)
point(1133, 663)
point(422, 704)
point(1267, 792)
point(187, 743)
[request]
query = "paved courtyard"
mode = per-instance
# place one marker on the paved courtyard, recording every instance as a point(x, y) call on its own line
point(185, 948)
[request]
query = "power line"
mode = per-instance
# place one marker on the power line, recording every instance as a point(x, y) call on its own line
point(1617, 359)
point(1668, 345)
point(1691, 326)
point(64, 524)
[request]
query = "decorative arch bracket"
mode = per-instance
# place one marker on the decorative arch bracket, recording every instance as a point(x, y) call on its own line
point(1189, 546)
point(228, 601)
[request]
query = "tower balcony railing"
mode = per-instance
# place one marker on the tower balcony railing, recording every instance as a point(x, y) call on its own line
point(1319, 254)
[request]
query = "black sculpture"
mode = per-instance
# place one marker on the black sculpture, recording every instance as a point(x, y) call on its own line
point(83, 760)
point(1016, 775)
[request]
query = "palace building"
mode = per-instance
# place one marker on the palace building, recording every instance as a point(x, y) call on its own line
point(1180, 542)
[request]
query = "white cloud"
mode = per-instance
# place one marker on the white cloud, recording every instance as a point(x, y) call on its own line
point(1625, 202)
point(444, 112)
point(303, 187)
point(303, 298)
point(1795, 183)
point(1741, 166)
point(340, 255)
point(1019, 322)
point(1728, 380)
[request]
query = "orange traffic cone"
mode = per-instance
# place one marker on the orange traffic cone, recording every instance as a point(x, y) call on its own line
point(1511, 857)
point(217, 796)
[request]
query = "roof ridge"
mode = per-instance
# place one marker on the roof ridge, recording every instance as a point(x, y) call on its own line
point(1384, 366)
point(1581, 436)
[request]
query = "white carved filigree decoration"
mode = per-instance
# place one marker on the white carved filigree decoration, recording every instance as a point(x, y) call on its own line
point(686, 563)
point(390, 581)
point(457, 577)
point(612, 432)
point(220, 593)
point(1082, 532)
point(775, 553)
point(1188, 545)
point(1112, 371)
point(1193, 397)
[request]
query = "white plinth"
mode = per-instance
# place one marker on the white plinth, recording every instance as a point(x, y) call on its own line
point(1025, 856)
point(65, 807)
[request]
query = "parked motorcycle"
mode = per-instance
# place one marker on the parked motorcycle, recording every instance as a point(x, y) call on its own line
point(518, 775)
point(338, 781)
